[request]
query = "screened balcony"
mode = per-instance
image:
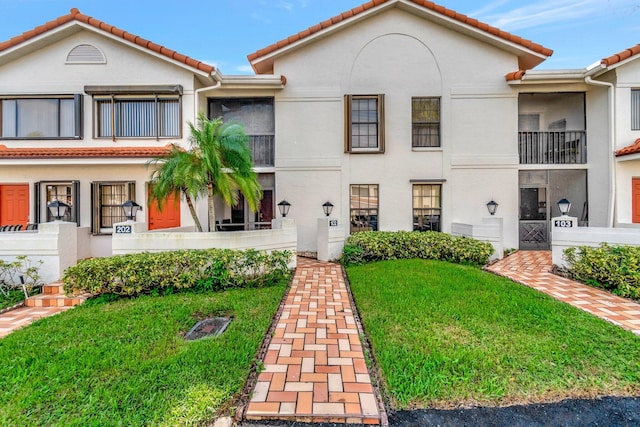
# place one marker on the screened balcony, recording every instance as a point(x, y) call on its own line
point(262, 150)
point(551, 129)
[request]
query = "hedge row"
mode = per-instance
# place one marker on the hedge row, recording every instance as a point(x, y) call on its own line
point(147, 273)
point(615, 268)
point(370, 246)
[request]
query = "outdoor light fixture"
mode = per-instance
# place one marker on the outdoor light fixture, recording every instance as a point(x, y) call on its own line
point(492, 207)
point(130, 209)
point(565, 206)
point(57, 209)
point(284, 207)
point(327, 207)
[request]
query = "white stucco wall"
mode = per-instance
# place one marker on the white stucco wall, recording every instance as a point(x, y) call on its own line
point(401, 56)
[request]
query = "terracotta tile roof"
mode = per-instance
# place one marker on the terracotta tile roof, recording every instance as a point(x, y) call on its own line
point(630, 149)
point(426, 4)
point(76, 15)
point(621, 56)
point(515, 75)
point(82, 152)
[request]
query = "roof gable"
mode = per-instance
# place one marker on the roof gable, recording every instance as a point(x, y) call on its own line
point(76, 17)
point(530, 54)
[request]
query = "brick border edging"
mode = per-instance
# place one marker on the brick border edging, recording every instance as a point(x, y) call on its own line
point(374, 370)
point(13, 307)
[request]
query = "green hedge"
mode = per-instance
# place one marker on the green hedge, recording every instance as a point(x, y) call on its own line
point(149, 273)
point(370, 246)
point(615, 268)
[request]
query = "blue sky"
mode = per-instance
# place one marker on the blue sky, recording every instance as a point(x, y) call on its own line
point(224, 32)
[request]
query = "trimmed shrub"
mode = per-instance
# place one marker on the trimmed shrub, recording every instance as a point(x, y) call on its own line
point(371, 246)
point(165, 272)
point(614, 268)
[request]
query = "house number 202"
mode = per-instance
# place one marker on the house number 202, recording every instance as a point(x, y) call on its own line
point(123, 229)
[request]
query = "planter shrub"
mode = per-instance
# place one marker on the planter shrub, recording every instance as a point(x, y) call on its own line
point(150, 273)
point(371, 246)
point(614, 268)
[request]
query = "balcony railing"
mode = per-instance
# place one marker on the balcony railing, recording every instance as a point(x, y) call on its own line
point(552, 148)
point(262, 150)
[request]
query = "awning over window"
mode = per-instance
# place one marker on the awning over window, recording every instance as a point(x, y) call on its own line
point(136, 89)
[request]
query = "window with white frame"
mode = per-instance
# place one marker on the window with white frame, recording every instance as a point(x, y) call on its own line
point(635, 109)
point(427, 207)
point(363, 207)
point(55, 117)
point(107, 200)
point(364, 121)
point(425, 122)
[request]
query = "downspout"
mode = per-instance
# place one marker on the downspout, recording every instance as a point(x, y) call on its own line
point(612, 138)
point(216, 76)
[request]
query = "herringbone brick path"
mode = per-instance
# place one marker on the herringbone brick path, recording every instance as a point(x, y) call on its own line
point(533, 269)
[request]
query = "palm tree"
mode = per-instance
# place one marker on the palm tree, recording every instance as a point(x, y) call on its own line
point(177, 174)
point(218, 163)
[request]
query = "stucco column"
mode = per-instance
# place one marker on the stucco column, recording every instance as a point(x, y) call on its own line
point(330, 239)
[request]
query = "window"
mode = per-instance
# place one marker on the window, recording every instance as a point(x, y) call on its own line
point(425, 122)
point(148, 116)
point(257, 117)
point(108, 198)
point(63, 191)
point(635, 109)
point(364, 119)
point(427, 207)
point(363, 206)
point(41, 118)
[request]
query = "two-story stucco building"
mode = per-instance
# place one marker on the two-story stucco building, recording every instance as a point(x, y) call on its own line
point(403, 114)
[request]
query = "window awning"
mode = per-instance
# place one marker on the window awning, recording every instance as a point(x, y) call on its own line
point(138, 89)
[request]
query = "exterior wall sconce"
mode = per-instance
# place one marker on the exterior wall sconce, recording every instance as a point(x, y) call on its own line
point(130, 209)
point(57, 209)
point(327, 207)
point(284, 207)
point(565, 206)
point(492, 207)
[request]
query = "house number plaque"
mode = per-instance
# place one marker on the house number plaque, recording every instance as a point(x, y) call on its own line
point(123, 229)
point(333, 223)
point(563, 223)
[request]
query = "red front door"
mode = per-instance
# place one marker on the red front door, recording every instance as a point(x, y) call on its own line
point(168, 217)
point(635, 200)
point(14, 204)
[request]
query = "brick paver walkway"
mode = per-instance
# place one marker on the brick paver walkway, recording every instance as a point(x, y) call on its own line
point(14, 319)
point(314, 368)
point(532, 268)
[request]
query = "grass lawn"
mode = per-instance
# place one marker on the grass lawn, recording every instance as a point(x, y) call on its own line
point(447, 335)
point(125, 362)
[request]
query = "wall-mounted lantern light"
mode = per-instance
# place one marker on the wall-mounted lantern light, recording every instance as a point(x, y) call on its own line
point(130, 209)
point(565, 206)
point(284, 207)
point(57, 209)
point(492, 207)
point(327, 207)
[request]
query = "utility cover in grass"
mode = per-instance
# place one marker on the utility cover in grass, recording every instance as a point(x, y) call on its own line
point(208, 328)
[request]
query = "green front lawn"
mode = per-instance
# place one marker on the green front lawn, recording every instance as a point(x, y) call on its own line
point(125, 362)
point(447, 335)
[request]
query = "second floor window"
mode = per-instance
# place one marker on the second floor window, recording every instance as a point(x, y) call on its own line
point(41, 118)
point(138, 116)
point(425, 122)
point(364, 123)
